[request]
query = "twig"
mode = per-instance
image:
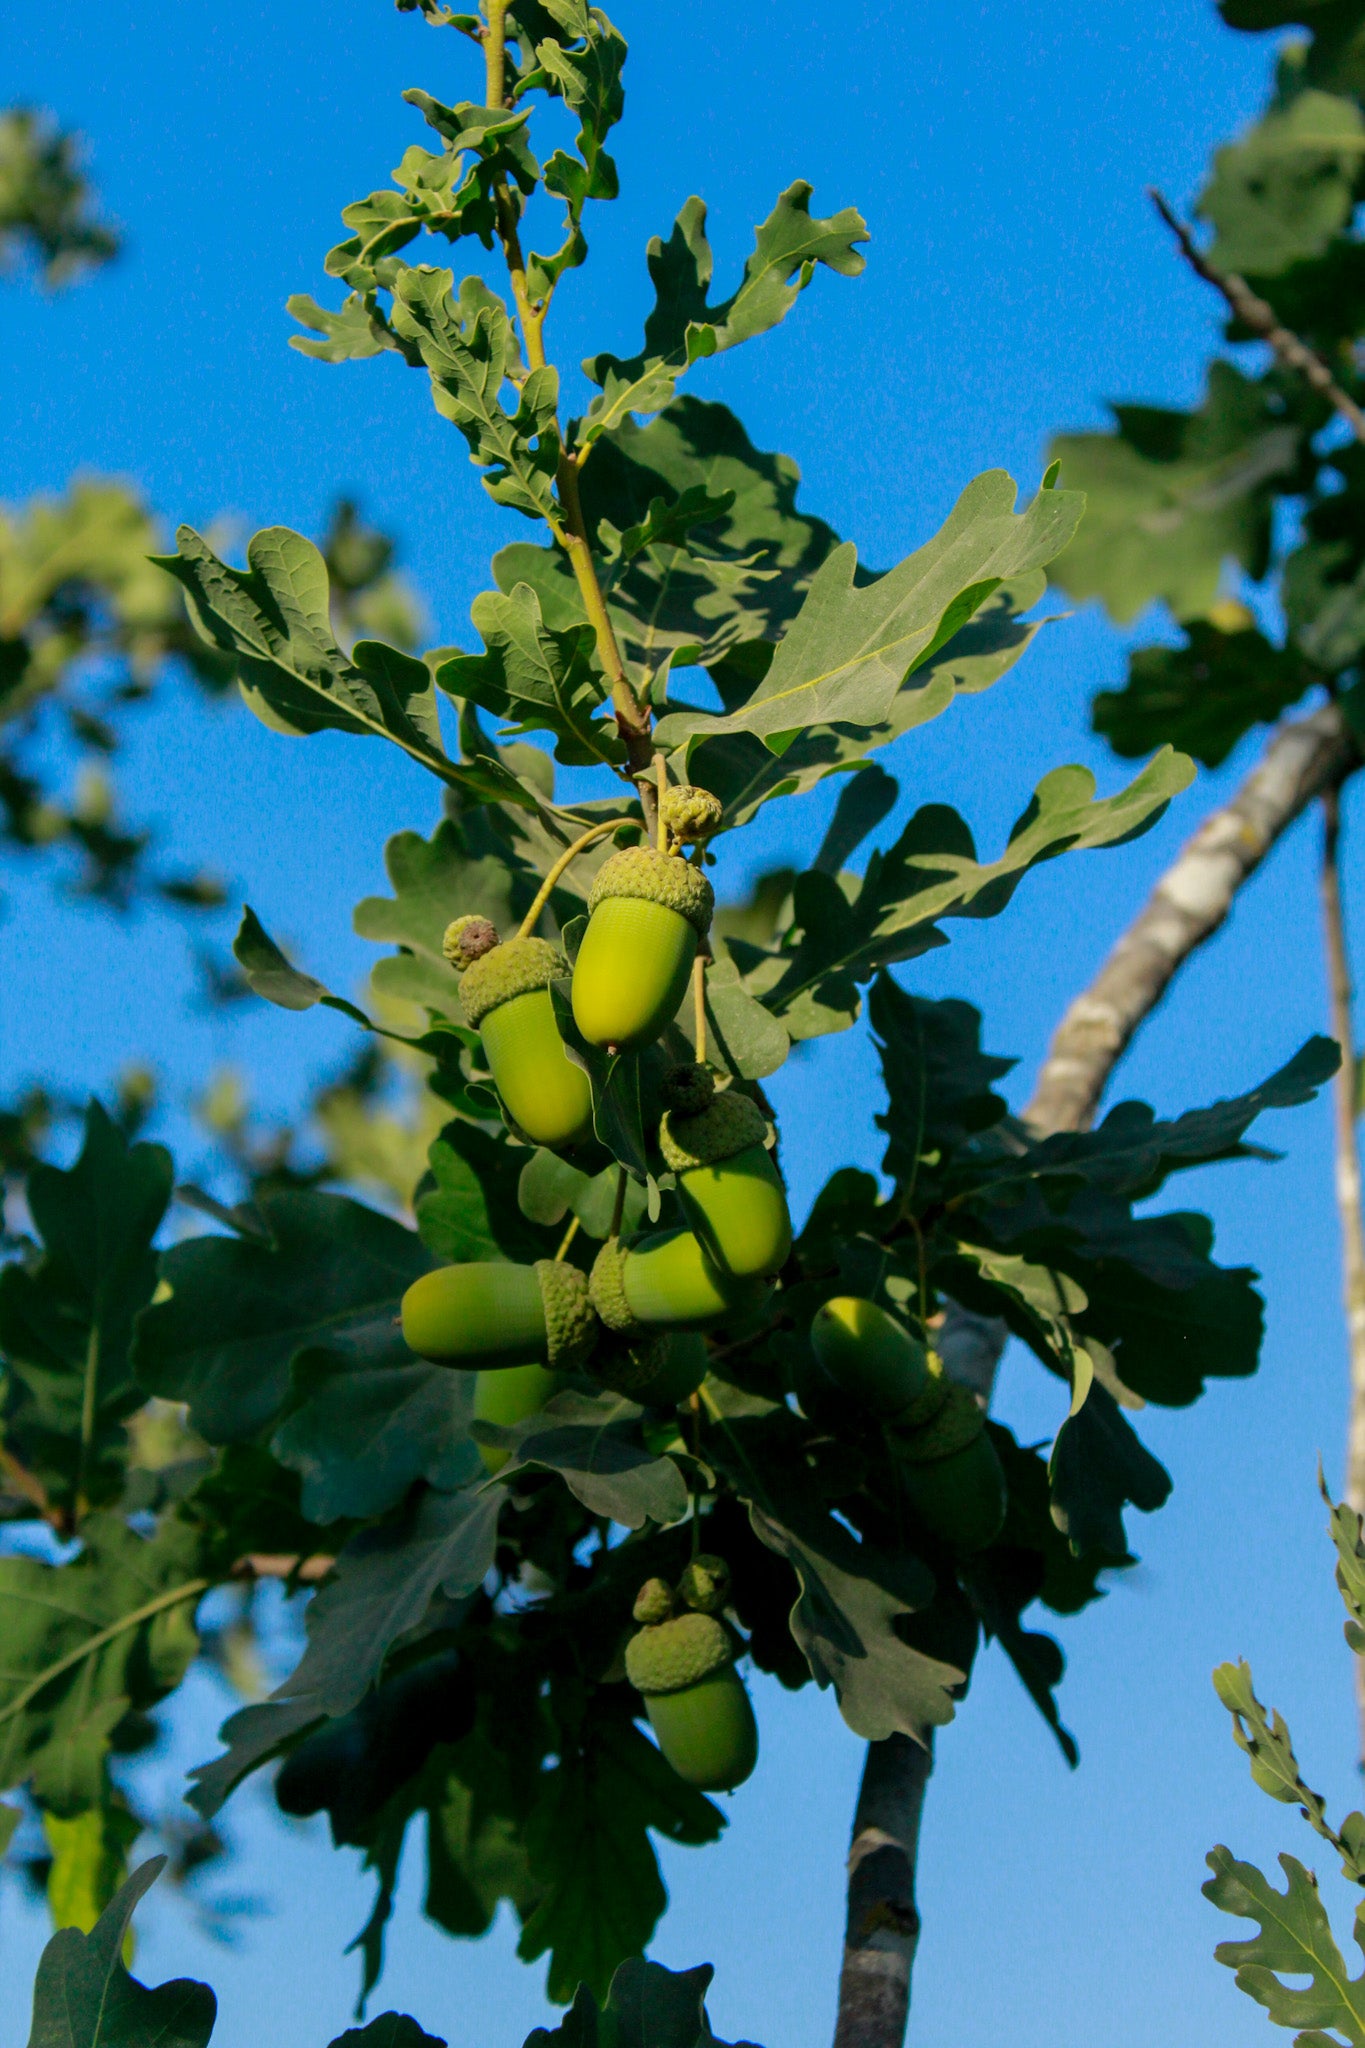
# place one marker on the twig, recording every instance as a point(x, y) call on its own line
point(1188, 904)
point(262, 1564)
point(1347, 1160)
point(568, 1238)
point(1254, 312)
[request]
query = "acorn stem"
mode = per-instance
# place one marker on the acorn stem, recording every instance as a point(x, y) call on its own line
point(570, 853)
point(699, 1005)
point(619, 1206)
point(661, 776)
point(567, 1239)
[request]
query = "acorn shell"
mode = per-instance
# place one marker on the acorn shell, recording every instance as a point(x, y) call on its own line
point(684, 1367)
point(962, 1498)
point(873, 1358)
point(665, 1282)
point(547, 1097)
point(708, 1732)
point(493, 1314)
point(508, 1397)
point(738, 1209)
point(647, 911)
point(631, 974)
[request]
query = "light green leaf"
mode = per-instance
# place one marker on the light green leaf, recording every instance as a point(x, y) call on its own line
point(536, 679)
point(1172, 496)
point(850, 650)
point(1295, 1940)
point(469, 349)
point(1281, 192)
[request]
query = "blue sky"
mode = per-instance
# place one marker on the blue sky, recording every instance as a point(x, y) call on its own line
point(1015, 279)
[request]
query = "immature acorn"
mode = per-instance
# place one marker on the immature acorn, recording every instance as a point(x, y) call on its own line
point(505, 991)
point(493, 1315)
point(647, 912)
point(665, 1282)
point(696, 1700)
point(949, 1467)
point(506, 1396)
point(682, 1365)
point(951, 1472)
point(730, 1190)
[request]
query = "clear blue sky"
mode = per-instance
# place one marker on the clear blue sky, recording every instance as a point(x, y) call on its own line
point(999, 151)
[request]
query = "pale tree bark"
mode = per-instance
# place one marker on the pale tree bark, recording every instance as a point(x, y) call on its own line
point(1341, 996)
point(1303, 758)
point(882, 1930)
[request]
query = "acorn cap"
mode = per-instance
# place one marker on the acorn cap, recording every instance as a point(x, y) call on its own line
point(676, 1654)
point(705, 1584)
point(467, 939)
point(729, 1124)
point(957, 1423)
point(570, 1325)
point(644, 872)
point(653, 1602)
point(607, 1288)
point(688, 1089)
point(625, 1366)
point(517, 968)
point(690, 813)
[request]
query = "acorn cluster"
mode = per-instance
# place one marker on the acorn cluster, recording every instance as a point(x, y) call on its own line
point(636, 1321)
point(682, 1659)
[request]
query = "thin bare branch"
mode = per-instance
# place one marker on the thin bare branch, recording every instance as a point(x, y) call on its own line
point(1254, 312)
point(883, 1924)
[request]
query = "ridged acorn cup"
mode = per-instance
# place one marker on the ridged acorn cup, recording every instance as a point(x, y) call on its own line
point(507, 1397)
point(665, 1282)
point(647, 912)
point(505, 992)
point(872, 1358)
point(487, 1316)
point(696, 1700)
point(951, 1473)
point(683, 1366)
point(730, 1190)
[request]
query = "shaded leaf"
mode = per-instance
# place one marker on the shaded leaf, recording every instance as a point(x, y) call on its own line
point(1284, 188)
point(1098, 1466)
point(593, 1442)
point(1204, 696)
point(85, 1998)
point(240, 1311)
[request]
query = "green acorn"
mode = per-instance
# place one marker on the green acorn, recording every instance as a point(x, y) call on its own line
point(949, 1467)
point(508, 1396)
point(679, 1371)
point(951, 1472)
point(505, 991)
point(871, 1356)
point(696, 1701)
point(689, 814)
point(665, 1282)
point(494, 1315)
point(730, 1190)
point(647, 912)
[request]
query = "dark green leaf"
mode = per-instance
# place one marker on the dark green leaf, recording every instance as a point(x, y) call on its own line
point(646, 2007)
point(1098, 1466)
point(845, 1622)
point(1204, 696)
point(85, 1998)
point(593, 1442)
point(239, 1311)
point(590, 1848)
point(66, 1315)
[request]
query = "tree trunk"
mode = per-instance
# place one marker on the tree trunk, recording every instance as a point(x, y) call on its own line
point(882, 1930)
